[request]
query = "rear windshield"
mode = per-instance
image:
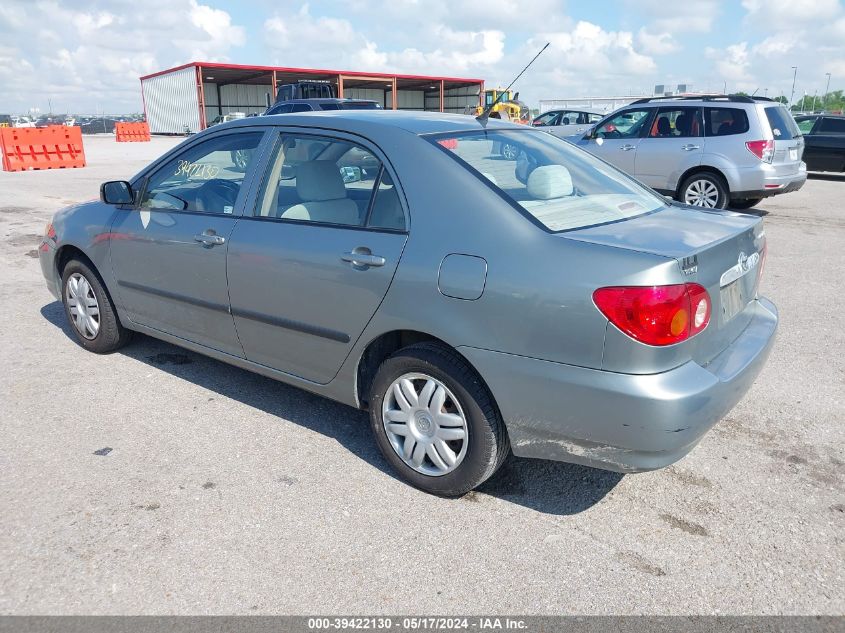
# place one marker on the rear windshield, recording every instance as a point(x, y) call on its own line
point(783, 125)
point(725, 121)
point(553, 182)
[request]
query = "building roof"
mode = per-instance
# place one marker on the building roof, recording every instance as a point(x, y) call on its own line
point(245, 74)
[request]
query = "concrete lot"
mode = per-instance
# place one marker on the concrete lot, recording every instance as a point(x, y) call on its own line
point(225, 492)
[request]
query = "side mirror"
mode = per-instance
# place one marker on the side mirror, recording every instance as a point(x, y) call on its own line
point(116, 192)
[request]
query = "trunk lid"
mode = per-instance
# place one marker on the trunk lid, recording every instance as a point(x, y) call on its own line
point(721, 250)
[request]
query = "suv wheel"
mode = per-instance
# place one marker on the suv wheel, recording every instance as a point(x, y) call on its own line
point(435, 421)
point(510, 151)
point(704, 189)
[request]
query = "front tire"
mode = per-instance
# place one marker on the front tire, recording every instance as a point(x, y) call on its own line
point(90, 310)
point(704, 189)
point(435, 421)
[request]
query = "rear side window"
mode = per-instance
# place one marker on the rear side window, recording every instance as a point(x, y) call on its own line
point(832, 126)
point(725, 121)
point(676, 122)
point(782, 124)
point(806, 125)
point(301, 107)
point(329, 106)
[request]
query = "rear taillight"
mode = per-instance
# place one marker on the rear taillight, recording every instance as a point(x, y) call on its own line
point(656, 315)
point(49, 231)
point(764, 150)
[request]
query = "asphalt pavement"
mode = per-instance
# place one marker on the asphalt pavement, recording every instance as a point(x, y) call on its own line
point(158, 481)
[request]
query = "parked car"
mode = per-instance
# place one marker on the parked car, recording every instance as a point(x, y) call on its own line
point(824, 141)
point(225, 118)
point(309, 105)
point(713, 152)
point(567, 122)
point(552, 306)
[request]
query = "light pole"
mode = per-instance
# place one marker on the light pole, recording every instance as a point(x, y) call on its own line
point(826, 90)
point(792, 94)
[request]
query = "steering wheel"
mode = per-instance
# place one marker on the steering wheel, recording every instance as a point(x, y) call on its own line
point(217, 193)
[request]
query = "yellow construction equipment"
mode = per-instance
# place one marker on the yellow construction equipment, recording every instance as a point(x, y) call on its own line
point(507, 106)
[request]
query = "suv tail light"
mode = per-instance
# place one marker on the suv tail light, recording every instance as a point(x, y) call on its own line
point(764, 150)
point(656, 315)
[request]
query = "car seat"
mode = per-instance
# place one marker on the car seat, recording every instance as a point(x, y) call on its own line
point(320, 187)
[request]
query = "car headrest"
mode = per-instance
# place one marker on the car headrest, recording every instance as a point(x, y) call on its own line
point(550, 181)
point(319, 180)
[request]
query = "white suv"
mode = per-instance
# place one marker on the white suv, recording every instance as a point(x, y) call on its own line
point(708, 151)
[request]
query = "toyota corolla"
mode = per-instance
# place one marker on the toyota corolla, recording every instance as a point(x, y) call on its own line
point(548, 306)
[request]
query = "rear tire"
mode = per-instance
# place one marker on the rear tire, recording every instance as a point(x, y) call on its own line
point(704, 189)
point(90, 310)
point(457, 455)
point(745, 204)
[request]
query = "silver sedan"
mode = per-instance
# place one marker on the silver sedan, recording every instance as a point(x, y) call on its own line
point(398, 263)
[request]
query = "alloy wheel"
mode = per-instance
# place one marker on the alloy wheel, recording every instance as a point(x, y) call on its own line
point(425, 424)
point(702, 193)
point(83, 306)
point(509, 151)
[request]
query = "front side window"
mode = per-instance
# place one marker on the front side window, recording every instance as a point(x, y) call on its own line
point(329, 181)
point(626, 124)
point(206, 178)
point(676, 123)
point(552, 181)
point(725, 121)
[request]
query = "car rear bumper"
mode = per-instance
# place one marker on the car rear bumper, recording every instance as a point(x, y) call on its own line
point(622, 422)
point(770, 184)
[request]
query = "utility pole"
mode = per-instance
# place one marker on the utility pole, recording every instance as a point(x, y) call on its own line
point(792, 94)
point(826, 90)
point(814, 99)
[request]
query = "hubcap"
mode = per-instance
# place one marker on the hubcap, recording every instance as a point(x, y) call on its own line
point(83, 306)
point(702, 193)
point(509, 151)
point(425, 424)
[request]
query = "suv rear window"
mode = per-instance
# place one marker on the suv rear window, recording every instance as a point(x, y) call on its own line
point(783, 125)
point(552, 182)
point(725, 121)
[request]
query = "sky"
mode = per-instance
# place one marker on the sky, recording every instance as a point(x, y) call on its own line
point(87, 55)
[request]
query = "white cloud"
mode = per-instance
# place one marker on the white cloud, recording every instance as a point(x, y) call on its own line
point(94, 53)
point(685, 16)
point(657, 43)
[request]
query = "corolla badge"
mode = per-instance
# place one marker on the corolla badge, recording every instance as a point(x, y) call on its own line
point(744, 264)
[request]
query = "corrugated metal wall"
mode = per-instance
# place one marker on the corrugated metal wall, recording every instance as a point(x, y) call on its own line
point(246, 98)
point(459, 99)
point(171, 102)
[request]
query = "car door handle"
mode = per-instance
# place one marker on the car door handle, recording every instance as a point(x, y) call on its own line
point(363, 257)
point(689, 147)
point(209, 238)
point(626, 148)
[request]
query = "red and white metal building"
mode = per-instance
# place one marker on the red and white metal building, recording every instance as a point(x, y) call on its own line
point(188, 97)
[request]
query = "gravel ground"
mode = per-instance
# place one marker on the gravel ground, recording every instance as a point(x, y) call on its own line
point(225, 492)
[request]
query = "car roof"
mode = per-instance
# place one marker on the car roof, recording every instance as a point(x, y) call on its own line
point(366, 122)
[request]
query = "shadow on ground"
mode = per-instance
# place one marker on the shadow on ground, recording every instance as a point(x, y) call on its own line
point(549, 487)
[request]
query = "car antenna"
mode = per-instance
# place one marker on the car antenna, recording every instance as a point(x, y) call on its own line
point(482, 118)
